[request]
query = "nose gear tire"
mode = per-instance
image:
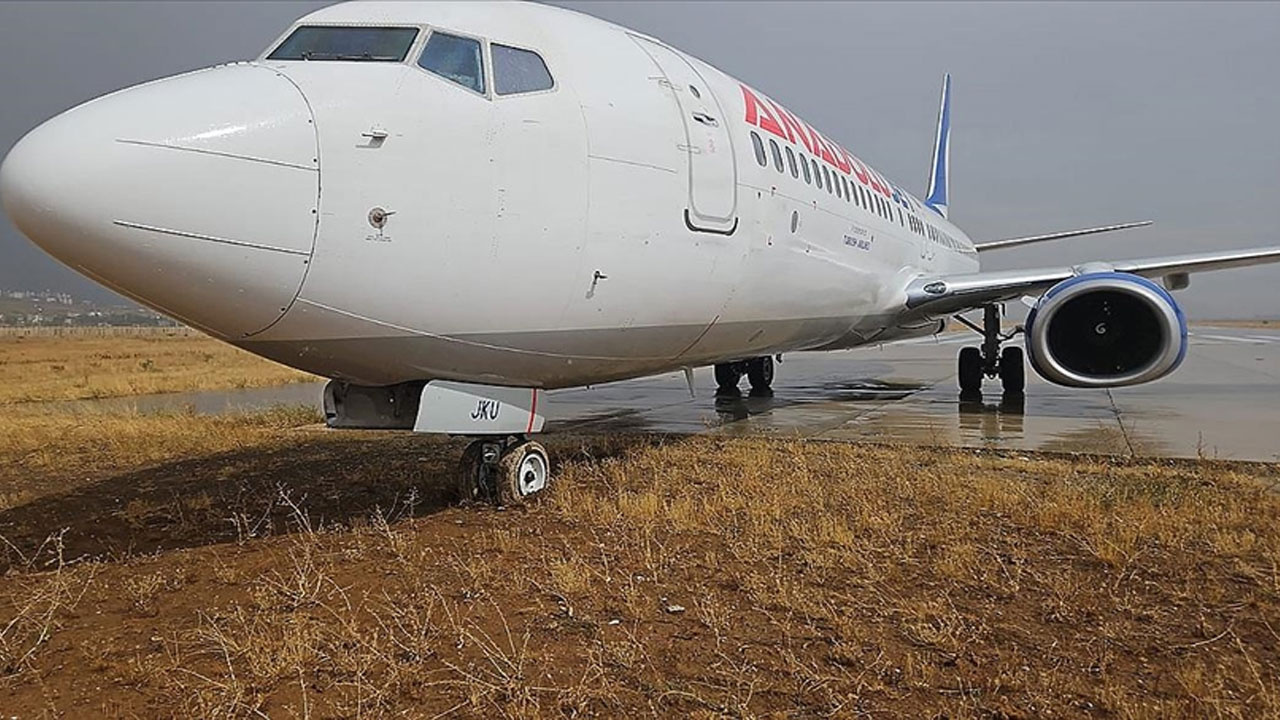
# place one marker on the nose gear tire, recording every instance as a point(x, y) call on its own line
point(522, 473)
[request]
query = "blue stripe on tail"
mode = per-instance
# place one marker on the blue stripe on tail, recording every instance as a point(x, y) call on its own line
point(939, 175)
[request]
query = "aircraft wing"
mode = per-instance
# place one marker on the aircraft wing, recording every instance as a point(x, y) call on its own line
point(947, 294)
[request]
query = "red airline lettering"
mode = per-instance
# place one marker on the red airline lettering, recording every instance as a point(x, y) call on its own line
point(760, 115)
point(833, 156)
point(859, 171)
point(773, 118)
point(792, 126)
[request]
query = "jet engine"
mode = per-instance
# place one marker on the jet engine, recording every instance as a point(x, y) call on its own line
point(1105, 329)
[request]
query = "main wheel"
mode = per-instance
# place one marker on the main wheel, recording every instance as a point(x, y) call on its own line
point(727, 377)
point(970, 374)
point(474, 481)
point(523, 471)
point(760, 374)
point(1013, 373)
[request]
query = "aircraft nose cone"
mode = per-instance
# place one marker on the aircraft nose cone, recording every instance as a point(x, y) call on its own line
point(197, 195)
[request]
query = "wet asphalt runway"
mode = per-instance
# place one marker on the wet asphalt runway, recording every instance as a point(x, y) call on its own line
point(1223, 402)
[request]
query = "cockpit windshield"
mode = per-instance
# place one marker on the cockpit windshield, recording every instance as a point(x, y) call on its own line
point(326, 42)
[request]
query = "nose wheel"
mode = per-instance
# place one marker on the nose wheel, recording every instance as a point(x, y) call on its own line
point(990, 360)
point(759, 372)
point(504, 471)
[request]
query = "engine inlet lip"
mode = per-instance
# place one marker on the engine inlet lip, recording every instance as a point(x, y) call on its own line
point(1171, 330)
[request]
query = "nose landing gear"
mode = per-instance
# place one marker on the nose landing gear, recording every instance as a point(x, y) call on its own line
point(507, 471)
point(990, 360)
point(759, 372)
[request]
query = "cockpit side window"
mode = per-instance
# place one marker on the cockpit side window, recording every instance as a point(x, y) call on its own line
point(364, 44)
point(455, 58)
point(519, 71)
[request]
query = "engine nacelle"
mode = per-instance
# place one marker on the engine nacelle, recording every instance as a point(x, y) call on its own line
point(1106, 329)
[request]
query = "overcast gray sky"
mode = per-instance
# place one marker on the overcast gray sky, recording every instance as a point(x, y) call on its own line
point(1064, 115)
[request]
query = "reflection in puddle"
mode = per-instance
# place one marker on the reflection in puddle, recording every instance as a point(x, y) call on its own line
point(201, 402)
point(861, 390)
point(1100, 439)
point(622, 420)
point(994, 421)
point(732, 408)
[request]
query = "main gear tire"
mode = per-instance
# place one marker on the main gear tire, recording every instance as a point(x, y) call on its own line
point(1013, 372)
point(760, 374)
point(970, 371)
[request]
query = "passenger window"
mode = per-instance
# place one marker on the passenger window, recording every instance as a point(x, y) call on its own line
point(454, 58)
point(759, 148)
point(817, 176)
point(826, 180)
point(519, 71)
point(777, 154)
point(791, 163)
point(804, 165)
point(844, 184)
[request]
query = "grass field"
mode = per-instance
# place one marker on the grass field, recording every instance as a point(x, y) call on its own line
point(86, 365)
point(256, 566)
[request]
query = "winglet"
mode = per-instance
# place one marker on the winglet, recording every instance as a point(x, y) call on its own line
point(940, 174)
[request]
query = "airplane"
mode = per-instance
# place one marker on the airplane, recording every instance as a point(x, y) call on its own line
point(449, 208)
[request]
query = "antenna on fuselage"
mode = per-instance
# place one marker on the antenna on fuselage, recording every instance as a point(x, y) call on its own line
point(940, 173)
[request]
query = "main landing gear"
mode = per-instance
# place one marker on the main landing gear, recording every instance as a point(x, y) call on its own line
point(507, 470)
point(990, 360)
point(759, 372)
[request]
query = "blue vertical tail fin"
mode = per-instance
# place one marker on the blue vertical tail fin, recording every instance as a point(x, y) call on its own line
point(940, 173)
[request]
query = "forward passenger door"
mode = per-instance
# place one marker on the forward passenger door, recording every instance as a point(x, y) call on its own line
point(712, 174)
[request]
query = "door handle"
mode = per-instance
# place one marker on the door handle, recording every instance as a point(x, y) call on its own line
point(706, 119)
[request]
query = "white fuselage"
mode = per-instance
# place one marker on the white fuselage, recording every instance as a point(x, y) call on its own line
point(616, 225)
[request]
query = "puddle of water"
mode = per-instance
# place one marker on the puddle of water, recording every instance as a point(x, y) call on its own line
point(201, 402)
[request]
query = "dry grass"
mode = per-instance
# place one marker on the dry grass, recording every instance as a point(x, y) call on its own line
point(265, 572)
point(75, 367)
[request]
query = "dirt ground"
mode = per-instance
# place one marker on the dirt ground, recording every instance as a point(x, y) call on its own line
point(258, 566)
